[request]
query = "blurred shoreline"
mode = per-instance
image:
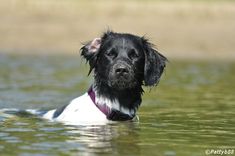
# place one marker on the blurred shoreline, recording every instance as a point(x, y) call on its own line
point(201, 30)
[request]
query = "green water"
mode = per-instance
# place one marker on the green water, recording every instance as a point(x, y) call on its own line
point(190, 112)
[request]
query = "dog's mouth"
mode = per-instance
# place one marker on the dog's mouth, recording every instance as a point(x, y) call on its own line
point(121, 85)
point(122, 82)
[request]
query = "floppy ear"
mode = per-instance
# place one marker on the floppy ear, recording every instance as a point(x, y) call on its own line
point(154, 64)
point(90, 51)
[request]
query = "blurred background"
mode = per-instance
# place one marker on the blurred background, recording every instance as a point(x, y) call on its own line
point(181, 29)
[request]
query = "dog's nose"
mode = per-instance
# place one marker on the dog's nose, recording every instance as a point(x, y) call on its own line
point(121, 70)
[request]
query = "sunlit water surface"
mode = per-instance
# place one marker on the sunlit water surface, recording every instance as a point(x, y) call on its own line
point(191, 110)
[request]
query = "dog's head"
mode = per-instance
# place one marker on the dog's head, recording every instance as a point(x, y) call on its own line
point(124, 61)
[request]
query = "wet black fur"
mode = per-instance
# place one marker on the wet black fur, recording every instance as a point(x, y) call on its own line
point(146, 66)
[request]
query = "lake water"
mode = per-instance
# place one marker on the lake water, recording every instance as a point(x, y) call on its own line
point(190, 113)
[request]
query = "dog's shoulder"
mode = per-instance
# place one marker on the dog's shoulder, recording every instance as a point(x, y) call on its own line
point(80, 110)
point(83, 100)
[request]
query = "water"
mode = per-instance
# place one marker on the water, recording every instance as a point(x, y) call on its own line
point(190, 112)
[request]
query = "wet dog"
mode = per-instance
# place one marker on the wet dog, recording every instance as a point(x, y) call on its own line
point(122, 64)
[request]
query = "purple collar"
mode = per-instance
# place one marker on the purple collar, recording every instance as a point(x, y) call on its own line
point(111, 114)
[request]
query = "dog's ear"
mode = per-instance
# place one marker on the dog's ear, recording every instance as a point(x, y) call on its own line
point(90, 52)
point(154, 64)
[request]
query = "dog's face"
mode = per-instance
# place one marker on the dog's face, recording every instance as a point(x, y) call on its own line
point(121, 61)
point(124, 61)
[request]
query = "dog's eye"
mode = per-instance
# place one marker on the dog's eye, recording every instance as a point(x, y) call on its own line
point(111, 53)
point(132, 54)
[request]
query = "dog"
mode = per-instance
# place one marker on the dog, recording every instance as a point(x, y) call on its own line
point(122, 64)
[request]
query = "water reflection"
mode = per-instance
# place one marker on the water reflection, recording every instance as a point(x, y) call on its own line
point(111, 138)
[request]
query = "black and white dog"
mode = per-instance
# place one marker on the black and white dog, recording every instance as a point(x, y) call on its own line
point(122, 63)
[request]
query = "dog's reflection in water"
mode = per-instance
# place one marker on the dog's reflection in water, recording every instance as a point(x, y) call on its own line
point(117, 138)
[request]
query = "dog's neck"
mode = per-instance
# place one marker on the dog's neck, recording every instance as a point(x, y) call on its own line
point(126, 101)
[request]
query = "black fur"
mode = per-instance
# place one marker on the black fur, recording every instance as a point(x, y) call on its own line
point(59, 111)
point(122, 63)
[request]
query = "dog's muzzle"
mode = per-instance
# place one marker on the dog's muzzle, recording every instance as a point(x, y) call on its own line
point(121, 76)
